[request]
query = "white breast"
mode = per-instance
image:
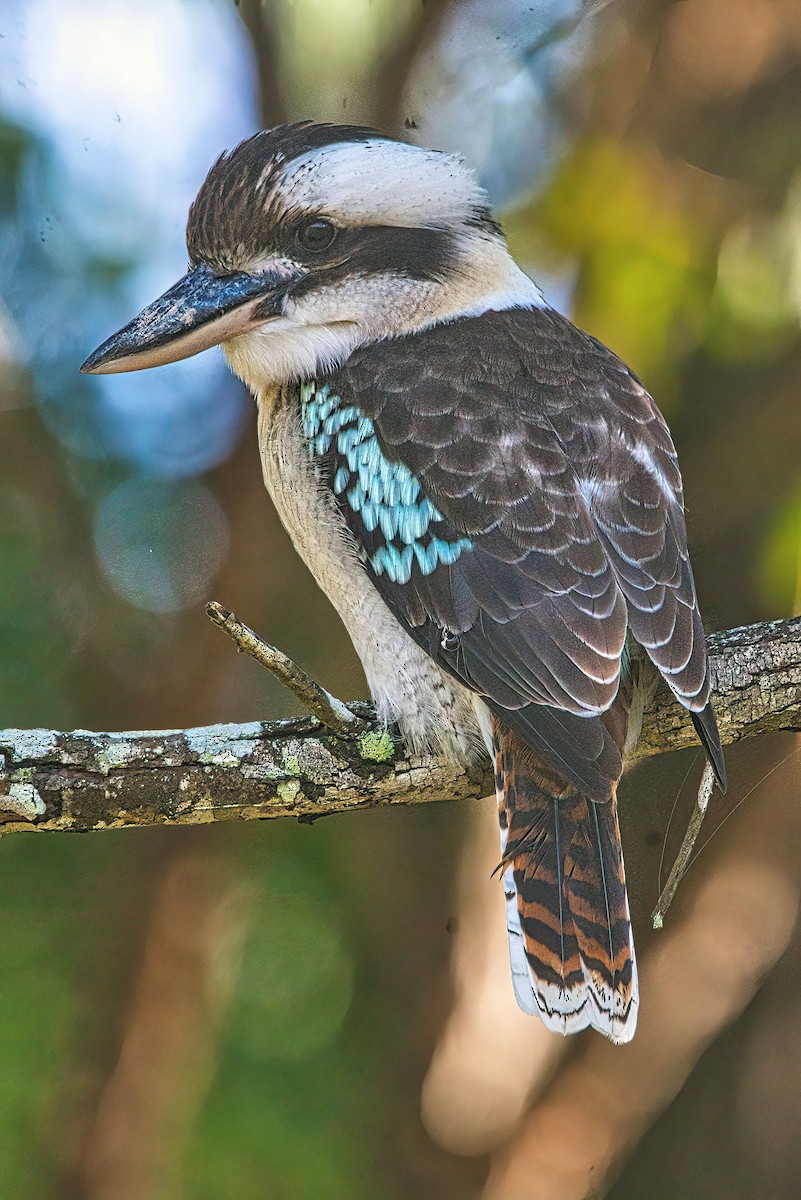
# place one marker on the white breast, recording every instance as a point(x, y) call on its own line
point(435, 713)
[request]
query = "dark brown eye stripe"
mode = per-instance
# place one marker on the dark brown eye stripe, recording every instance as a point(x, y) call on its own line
point(419, 253)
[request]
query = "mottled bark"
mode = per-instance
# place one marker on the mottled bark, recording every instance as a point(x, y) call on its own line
point(82, 781)
point(756, 682)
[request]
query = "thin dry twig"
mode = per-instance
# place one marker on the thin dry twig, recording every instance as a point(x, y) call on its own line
point(679, 868)
point(331, 712)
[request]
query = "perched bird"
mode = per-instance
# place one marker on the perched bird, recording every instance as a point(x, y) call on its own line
point(488, 496)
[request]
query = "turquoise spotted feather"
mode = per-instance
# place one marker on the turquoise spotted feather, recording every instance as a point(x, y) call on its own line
point(385, 494)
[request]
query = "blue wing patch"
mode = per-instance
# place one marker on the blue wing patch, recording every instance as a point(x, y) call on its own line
point(385, 495)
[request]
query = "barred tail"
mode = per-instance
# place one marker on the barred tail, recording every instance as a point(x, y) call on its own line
point(570, 939)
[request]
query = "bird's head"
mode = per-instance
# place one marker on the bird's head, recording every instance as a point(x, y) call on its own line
point(307, 241)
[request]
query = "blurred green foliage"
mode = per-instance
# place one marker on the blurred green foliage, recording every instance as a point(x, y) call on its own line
point(32, 645)
point(780, 561)
point(645, 274)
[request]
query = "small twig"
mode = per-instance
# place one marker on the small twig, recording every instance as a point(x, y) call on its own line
point(682, 862)
point(331, 712)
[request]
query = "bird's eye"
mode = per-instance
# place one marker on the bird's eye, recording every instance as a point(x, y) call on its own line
point(316, 235)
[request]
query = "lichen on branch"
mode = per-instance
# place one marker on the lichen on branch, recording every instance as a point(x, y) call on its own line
point(298, 767)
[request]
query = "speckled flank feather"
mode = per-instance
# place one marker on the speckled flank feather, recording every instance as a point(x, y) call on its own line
point(570, 942)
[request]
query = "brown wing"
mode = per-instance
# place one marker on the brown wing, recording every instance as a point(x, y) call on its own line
point(551, 482)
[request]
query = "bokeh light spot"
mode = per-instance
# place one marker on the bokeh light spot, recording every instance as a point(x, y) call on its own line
point(160, 544)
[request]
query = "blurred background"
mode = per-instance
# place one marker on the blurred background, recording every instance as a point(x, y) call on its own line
point(252, 1011)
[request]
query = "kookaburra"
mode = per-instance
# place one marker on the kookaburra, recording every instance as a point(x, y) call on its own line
point(488, 496)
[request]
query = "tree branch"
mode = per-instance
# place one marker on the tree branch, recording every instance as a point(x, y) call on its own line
point(82, 781)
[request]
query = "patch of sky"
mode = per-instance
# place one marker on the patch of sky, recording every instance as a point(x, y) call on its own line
point(118, 151)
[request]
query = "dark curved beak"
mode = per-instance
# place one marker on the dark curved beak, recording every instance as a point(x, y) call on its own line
point(199, 311)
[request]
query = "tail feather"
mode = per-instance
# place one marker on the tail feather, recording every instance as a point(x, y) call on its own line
point(570, 940)
point(707, 729)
